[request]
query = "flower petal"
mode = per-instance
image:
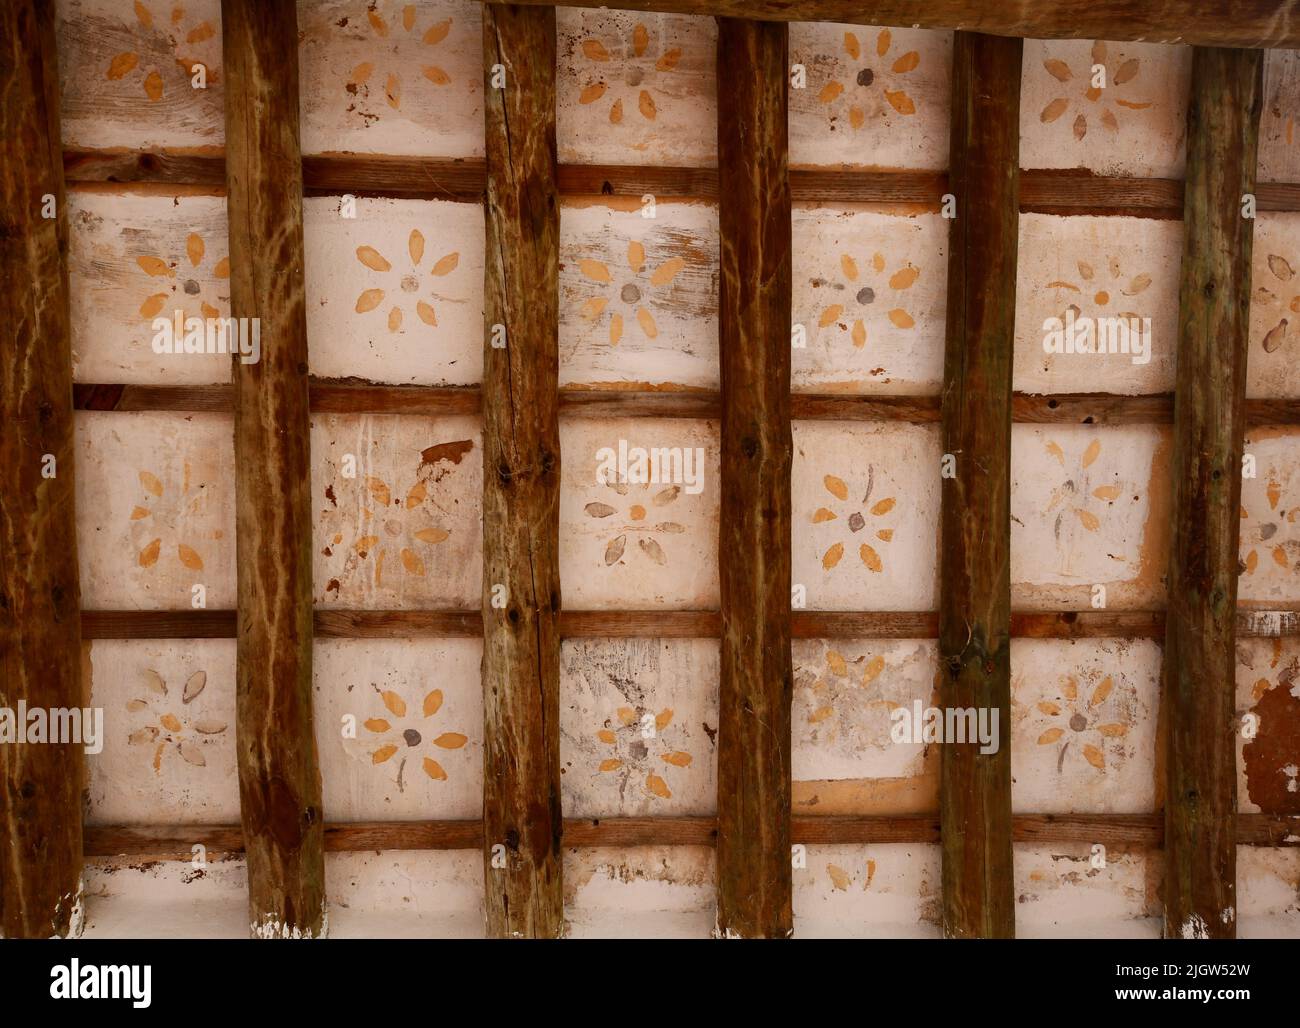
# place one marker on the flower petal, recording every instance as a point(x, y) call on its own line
point(373, 259)
point(433, 769)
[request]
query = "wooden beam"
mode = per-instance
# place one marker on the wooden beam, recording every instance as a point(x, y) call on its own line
point(1209, 425)
point(40, 632)
point(1042, 190)
point(521, 479)
point(671, 624)
point(279, 776)
point(756, 686)
point(1258, 24)
point(329, 396)
point(1140, 831)
point(975, 515)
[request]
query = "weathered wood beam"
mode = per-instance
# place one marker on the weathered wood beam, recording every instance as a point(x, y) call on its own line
point(521, 479)
point(756, 685)
point(331, 396)
point(671, 624)
point(175, 842)
point(279, 776)
point(1209, 419)
point(1042, 190)
point(1259, 24)
point(40, 631)
point(975, 515)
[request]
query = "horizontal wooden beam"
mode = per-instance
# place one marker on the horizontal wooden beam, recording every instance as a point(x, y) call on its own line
point(333, 397)
point(1042, 190)
point(1257, 24)
point(669, 624)
point(1146, 831)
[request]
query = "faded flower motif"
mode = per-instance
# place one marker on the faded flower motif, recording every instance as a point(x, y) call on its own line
point(631, 75)
point(628, 291)
point(1085, 722)
point(170, 272)
point(856, 521)
point(1261, 534)
point(1270, 296)
point(403, 286)
point(869, 78)
point(360, 76)
point(405, 735)
point(866, 283)
point(638, 751)
point(179, 36)
point(1084, 96)
point(165, 729)
point(162, 513)
point(636, 520)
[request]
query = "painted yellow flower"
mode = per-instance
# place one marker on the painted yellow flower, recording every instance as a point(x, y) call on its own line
point(638, 751)
point(166, 729)
point(1088, 98)
point(157, 513)
point(865, 77)
point(403, 286)
point(858, 279)
point(636, 521)
point(360, 76)
point(402, 733)
point(178, 36)
point(1262, 533)
point(391, 522)
point(627, 75)
point(841, 880)
point(627, 291)
point(1072, 720)
point(856, 521)
point(179, 276)
point(1100, 292)
point(1074, 496)
point(1271, 297)
point(844, 686)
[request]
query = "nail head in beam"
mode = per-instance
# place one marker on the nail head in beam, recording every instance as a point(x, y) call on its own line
point(40, 634)
point(1199, 669)
point(754, 780)
point(279, 773)
point(975, 507)
point(521, 479)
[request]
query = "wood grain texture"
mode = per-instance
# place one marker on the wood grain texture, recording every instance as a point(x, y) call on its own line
point(40, 633)
point(670, 624)
point(754, 882)
point(332, 396)
point(521, 480)
point(1209, 424)
point(279, 776)
point(975, 526)
point(1042, 190)
point(1240, 23)
point(173, 842)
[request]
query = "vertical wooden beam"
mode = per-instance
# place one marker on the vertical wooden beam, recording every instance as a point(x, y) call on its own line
point(40, 623)
point(521, 479)
point(975, 579)
point(1209, 404)
point(753, 855)
point(279, 777)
